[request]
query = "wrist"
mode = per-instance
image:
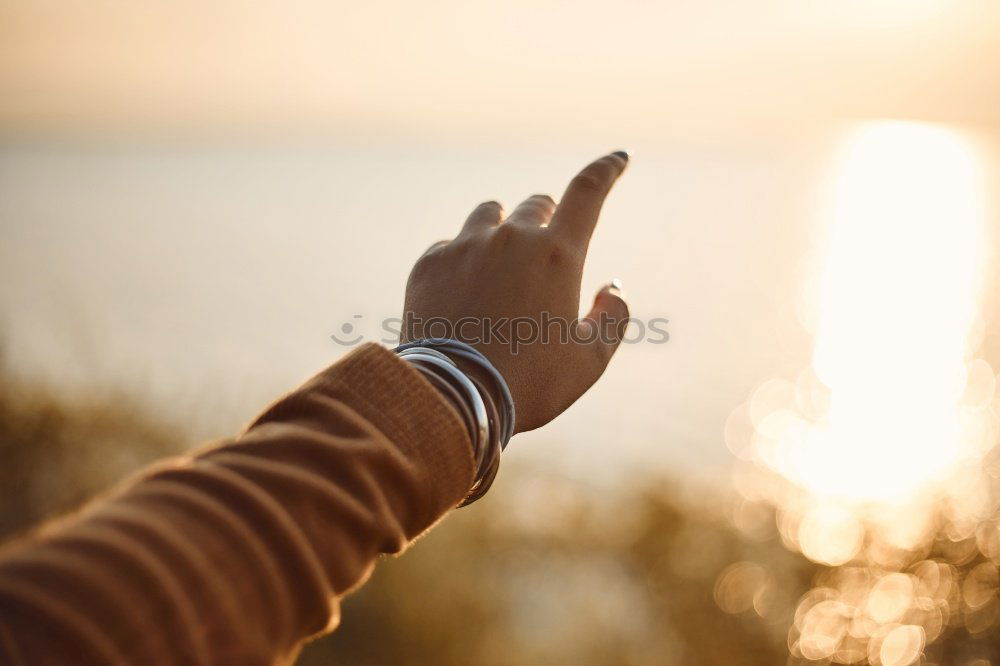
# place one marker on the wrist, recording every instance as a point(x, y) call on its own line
point(479, 393)
point(482, 379)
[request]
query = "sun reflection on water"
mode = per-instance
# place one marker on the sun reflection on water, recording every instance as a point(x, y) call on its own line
point(895, 304)
point(874, 455)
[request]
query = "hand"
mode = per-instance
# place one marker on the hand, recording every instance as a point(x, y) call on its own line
point(510, 286)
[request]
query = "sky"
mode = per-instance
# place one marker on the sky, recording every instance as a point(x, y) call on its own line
point(517, 68)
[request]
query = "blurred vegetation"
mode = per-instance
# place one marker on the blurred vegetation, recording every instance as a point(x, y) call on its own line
point(59, 450)
point(542, 571)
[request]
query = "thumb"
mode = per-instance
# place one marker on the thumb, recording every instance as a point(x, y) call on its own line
point(604, 326)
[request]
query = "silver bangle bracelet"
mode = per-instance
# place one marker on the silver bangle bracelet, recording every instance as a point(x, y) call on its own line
point(475, 400)
point(428, 350)
point(494, 396)
point(470, 353)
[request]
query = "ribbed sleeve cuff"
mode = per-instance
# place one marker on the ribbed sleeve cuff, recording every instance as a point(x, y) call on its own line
point(413, 414)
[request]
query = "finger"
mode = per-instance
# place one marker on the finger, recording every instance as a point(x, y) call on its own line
point(535, 211)
point(436, 246)
point(486, 216)
point(603, 328)
point(580, 207)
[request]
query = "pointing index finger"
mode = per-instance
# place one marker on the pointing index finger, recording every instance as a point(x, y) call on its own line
point(580, 206)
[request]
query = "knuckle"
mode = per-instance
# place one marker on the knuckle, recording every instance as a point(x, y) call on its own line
point(589, 180)
point(421, 269)
point(434, 251)
point(608, 167)
point(505, 230)
point(504, 233)
point(422, 263)
point(429, 258)
point(487, 210)
point(461, 247)
point(535, 206)
point(556, 249)
point(491, 204)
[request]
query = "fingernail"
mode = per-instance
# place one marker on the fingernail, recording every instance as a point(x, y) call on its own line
point(615, 288)
point(622, 154)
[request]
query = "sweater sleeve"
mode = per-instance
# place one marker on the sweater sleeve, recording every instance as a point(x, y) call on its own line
point(238, 553)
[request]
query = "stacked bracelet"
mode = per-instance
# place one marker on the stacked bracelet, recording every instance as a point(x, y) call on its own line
point(468, 352)
point(489, 427)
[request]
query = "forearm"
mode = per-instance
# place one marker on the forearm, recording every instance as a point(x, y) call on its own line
point(237, 554)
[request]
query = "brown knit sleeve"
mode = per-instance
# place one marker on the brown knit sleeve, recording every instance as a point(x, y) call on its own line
point(238, 553)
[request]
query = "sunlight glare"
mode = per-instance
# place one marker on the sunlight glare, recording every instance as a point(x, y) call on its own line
point(873, 455)
point(896, 301)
